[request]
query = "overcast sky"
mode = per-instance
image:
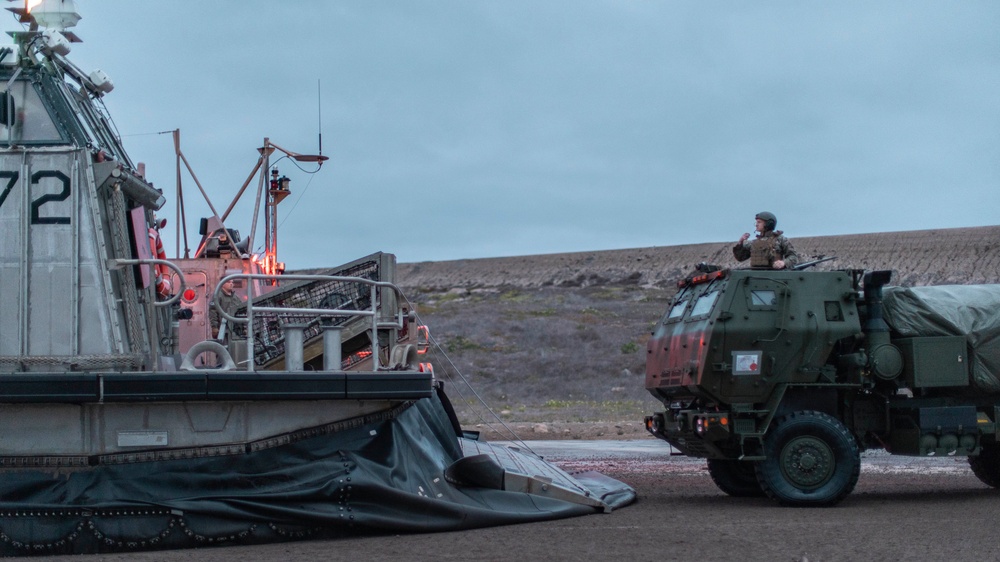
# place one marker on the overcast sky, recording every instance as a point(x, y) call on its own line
point(469, 129)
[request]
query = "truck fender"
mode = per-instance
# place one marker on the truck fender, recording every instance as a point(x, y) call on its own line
point(799, 398)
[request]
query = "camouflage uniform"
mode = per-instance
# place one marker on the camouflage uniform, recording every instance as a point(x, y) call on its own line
point(229, 303)
point(767, 248)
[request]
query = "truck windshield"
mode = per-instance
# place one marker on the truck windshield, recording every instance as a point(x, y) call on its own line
point(704, 304)
point(677, 310)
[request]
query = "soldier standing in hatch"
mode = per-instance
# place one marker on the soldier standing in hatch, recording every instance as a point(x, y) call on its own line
point(770, 249)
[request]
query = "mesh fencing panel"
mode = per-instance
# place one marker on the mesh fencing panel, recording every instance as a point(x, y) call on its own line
point(269, 337)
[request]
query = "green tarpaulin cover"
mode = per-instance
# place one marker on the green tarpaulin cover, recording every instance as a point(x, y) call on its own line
point(972, 311)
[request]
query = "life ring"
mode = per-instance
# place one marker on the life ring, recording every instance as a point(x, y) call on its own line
point(222, 356)
point(163, 287)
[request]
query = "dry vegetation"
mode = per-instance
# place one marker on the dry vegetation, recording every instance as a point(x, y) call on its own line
point(546, 354)
point(550, 342)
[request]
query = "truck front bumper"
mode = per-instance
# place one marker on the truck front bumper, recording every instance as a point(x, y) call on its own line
point(695, 433)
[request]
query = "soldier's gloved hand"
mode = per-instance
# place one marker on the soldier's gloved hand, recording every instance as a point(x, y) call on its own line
point(744, 237)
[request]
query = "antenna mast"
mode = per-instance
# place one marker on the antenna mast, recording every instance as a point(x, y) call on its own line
point(319, 115)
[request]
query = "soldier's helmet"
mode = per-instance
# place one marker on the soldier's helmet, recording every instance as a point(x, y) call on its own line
point(770, 221)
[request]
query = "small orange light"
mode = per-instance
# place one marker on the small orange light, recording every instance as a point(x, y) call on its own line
point(189, 295)
point(724, 420)
point(423, 339)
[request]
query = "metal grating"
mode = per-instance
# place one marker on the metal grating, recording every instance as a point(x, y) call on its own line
point(268, 330)
point(693, 448)
point(117, 362)
point(743, 425)
point(127, 282)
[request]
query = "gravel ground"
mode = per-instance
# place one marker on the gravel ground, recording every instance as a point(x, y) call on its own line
point(625, 429)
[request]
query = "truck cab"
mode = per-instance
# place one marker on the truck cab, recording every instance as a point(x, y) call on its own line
point(780, 378)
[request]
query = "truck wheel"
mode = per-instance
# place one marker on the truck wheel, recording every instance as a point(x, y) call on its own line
point(986, 465)
point(812, 461)
point(736, 478)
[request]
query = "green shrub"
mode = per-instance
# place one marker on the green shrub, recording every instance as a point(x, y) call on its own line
point(629, 348)
point(461, 343)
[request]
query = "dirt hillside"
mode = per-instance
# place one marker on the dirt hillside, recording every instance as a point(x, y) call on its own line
point(921, 257)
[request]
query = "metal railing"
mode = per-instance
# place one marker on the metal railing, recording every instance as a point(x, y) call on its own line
point(152, 263)
point(252, 309)
point(269, 335)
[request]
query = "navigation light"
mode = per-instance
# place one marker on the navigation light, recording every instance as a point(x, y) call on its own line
point(53, 14)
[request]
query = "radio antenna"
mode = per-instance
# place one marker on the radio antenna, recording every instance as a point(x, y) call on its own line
point(319, 116)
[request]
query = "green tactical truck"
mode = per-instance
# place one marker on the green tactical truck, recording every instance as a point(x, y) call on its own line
point(780, 378)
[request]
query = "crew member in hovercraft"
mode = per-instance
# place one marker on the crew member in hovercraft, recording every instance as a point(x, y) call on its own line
point(229, 301)
point(770, 248)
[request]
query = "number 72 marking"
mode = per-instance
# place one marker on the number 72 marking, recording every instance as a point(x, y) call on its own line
point(12, 178)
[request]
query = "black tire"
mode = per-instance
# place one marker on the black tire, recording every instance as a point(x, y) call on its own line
point(812, 461)
point(736, 478)
point(986, 465)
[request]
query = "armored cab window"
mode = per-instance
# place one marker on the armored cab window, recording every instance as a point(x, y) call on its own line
point(763, 297)
point(24, 118)
point(704, 304)
point(762, 294)
point(677, 310)
point(677, 307)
